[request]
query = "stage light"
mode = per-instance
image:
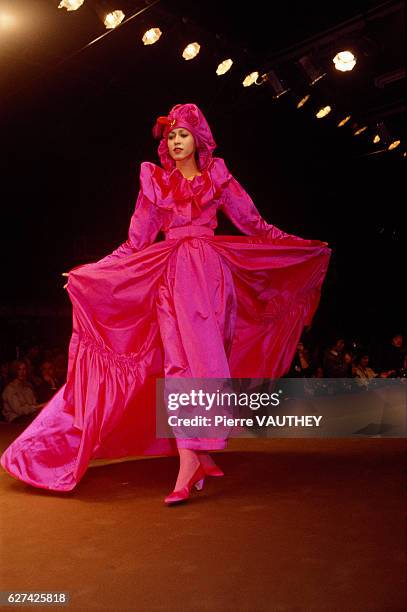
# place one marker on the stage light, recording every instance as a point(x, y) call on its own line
point(6, 21)
point(360, 130)
point(71, 5)
point(312, 73)
point(393, 145)
point(191, 51)
point(382, 134)
point(385, 137)
point(224, 67)
point(112, 20)
point(250, 79)
point(323, 112)
point(303, 101)
point(151, 36)
point(344, 121)
point(278, 87)
point(344, 61)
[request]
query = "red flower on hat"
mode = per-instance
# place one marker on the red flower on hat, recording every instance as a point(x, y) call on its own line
point(159, 127)
point(166, 121)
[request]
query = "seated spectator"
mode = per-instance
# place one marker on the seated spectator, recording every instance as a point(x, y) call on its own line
point(393, 357)
point(334, 364)
point(362, 369)
point(18, 396)
point(301, 364)
point(49, 384)
point(348, 363)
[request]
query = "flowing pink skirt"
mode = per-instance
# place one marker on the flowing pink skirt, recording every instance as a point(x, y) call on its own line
point(197, 306)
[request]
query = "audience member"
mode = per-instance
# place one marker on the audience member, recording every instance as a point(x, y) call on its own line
point(49, 384)
point(349, 364)
point(301, 364)
point(393, 356)
point(334, 363)
point(362, 368)
point(18, 396)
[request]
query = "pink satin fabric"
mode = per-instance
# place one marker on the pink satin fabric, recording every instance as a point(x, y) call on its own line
point(193, 305)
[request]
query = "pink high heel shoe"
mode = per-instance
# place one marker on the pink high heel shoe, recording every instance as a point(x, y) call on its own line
point(209, 471)
point(182, 494)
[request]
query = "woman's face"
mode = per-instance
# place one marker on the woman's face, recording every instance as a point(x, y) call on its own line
point(22, 371)
point(181, 144)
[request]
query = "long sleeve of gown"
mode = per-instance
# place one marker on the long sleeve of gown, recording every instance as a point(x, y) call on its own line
point(241, 210)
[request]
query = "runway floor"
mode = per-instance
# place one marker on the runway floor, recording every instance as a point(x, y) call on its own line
point(295, 525)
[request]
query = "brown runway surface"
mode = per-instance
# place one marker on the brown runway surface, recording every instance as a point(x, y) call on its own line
point(295, 524)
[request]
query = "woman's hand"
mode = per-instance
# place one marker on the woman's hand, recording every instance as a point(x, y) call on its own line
point(65, 274)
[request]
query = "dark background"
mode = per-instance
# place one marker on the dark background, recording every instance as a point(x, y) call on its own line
point(76, 123)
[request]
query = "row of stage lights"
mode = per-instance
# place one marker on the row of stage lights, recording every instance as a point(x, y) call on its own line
point(379, 133)
point(344, 61)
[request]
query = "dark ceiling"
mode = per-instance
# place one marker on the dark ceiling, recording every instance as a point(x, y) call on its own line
point(76, 122)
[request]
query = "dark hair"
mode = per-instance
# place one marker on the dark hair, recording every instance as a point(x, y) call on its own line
point(45, 361)
point(335, 339)
point(361, 355)
point(197, 157)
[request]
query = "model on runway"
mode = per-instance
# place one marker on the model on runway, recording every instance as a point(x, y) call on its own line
point(194, 305)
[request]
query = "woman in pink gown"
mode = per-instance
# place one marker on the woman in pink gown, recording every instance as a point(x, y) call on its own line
point(192, 306)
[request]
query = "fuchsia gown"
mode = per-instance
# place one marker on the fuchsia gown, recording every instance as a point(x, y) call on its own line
point(194, 305)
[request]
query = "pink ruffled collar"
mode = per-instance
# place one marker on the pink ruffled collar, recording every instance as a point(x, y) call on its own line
point(172, 187)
